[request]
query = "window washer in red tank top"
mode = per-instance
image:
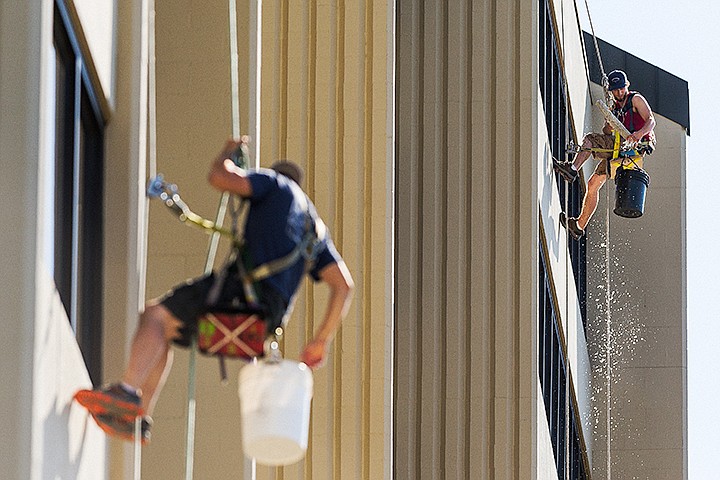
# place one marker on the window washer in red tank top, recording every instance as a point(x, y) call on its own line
point(633, 110)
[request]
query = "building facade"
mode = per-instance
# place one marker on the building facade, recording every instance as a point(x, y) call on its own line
point(481, 343)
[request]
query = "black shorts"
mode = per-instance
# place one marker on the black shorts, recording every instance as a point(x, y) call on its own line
point(188, 301)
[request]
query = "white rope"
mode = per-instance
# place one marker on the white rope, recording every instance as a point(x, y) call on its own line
point(190, 439)
point(215, 238)
point(254, 107)
point(148, 11)
point(137, 471)
point(568, 187)
point(608, 329)
point(255, 80)
point(152, 94)
point(567, 331)
point(608, 343)
point(597, 49)
point(584, 52)
point(605, 84)
point(235, 113)
point(234, 80)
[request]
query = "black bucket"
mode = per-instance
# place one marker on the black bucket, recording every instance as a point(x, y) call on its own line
point(630, 188)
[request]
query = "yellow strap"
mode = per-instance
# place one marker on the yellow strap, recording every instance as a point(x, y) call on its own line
point(616, 148)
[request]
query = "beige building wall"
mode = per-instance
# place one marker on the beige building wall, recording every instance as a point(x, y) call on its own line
point(325, 103)
point(19, 84)
point(466, 387)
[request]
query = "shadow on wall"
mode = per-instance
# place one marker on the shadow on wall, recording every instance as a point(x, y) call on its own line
point(70, 445)
point(67, 444)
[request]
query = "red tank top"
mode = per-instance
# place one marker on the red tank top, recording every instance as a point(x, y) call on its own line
point(630, 118)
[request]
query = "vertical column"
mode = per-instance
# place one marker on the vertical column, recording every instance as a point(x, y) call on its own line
point(325, 103)
point(466, 217)
point(23, 32)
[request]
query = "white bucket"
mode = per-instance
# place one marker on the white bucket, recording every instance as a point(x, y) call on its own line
point(275, 410)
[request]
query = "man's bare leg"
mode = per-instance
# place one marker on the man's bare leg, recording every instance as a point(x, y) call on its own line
point(583, 155)
point(590, 202)
point(150, 354)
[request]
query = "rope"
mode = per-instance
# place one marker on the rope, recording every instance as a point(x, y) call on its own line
point(608, 357)
point(584, 50)
point(605, 82)
point(137, 471)
point(151, 146)
point(568, 186)
point(168, 193)
point(152, 93)
point(566, 433)
point(215, 238)
point(597, 49)
point(234, 76)
point(190, 439)
point(158, 188)
point(608, 329)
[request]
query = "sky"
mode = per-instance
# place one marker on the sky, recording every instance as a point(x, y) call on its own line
point(683, 38)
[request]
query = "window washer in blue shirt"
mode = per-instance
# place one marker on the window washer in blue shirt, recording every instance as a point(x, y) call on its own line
point(277, 220)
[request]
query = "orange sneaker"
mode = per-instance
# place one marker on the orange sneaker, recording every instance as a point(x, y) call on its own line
point(112, 400)
point(120, 428)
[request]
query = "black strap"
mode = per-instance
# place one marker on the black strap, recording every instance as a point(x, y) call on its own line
point(312, 237)
point(307, 248)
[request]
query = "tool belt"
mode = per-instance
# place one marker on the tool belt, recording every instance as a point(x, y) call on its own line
point(232, 333)
point(233, 324)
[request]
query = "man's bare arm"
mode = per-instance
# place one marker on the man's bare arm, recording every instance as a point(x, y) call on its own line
point(643, 108)
point(225, 176)
point(338, 278)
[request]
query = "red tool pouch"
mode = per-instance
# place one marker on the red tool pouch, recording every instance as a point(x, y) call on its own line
point(231, 334)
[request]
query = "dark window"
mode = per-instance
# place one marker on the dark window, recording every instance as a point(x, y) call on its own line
point(79, 177)
point(560, 410)
point(552, 90)
point(552, 369)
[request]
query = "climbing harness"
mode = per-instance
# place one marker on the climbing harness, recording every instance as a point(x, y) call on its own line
point(307, 248)
point(235, 326)
point(622, 156)
point(622, 152)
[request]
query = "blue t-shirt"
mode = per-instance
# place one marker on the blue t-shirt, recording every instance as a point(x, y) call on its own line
point(276, 224)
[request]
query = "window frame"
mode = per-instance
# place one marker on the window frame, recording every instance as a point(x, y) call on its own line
point(554, 383)
point(79, 186)
point(557, 390)
point(554, 97)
